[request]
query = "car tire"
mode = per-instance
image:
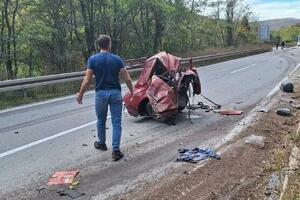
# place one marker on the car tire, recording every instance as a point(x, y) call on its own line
point(151, 113)
point(183, 101)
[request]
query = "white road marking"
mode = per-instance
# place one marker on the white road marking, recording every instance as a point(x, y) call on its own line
point(41, 103)
point(26, 146)
point(238, 70)
point(235, 131)
point(21, 148)
point(234, 60)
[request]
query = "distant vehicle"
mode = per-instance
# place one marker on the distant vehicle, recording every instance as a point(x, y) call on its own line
point(162, 88)
point(298, 42)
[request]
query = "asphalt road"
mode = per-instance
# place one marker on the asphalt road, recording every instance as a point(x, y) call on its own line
point(38, 139)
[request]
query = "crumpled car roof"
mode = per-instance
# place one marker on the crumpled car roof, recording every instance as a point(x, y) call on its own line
point(170, 62)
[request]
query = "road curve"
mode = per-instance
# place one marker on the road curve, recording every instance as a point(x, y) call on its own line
point(37, 140)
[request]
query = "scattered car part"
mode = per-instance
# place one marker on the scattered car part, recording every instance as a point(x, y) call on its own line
point(217, 106)
point(287, 87)
point(63, 177)
point(74, 194)
point(230, 112)
point(200, 105)
point(284, 111)
point(256, 140)
point(74, 184)
point(263, 110)
point(297, 106)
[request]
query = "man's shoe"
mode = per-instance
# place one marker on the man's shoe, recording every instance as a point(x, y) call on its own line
point(99, 146)
point(117, 155)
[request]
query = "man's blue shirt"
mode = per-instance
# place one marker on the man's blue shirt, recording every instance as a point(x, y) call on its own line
point(106, 67)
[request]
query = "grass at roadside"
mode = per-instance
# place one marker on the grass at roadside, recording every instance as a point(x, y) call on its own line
point(211, 51)
point(16, 98)
point(293, 192)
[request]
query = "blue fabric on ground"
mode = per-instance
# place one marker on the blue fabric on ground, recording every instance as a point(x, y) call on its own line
point(196, 154)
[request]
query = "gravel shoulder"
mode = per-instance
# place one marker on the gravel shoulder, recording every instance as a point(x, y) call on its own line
point(246, 171)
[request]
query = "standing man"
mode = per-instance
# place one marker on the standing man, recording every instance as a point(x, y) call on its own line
point(277, 45)
point(282, 44)
point(106, 67)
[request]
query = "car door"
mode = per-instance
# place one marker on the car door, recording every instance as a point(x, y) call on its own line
point(161, 97)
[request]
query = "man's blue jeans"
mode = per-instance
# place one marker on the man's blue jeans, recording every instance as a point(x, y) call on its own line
point(113, 99)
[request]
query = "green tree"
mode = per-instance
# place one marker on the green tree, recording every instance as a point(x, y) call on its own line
point(53, 36)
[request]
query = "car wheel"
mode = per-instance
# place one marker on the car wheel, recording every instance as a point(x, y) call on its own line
point(152, 114)
point(183, 101)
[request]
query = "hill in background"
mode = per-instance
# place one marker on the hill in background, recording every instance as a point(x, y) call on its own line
point(276, 24)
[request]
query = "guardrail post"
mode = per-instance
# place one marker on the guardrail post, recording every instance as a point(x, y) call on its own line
point(24, 93)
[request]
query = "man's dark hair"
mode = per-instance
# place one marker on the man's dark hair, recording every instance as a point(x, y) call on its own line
point(103, 41)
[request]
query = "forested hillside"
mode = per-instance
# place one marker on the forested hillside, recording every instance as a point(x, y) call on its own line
point(277, 24)
point(40, 37)
point(289, 34)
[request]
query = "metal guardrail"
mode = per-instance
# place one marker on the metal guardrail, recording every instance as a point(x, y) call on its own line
point(21, 84)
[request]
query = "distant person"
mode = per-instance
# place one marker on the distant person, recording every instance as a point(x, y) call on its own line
point(277, 45)
point(282, 44)
point(106, 67)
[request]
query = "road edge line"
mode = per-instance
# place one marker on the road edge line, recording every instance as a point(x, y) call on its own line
point(265, 103)
point(292, 161)
point(246, 121)
point(277, 87)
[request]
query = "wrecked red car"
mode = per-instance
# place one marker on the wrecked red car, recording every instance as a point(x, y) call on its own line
point(163, 88)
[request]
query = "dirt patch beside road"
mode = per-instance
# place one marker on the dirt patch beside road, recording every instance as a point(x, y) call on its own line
point(246, 171)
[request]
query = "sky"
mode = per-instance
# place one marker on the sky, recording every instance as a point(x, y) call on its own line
point(274, 9)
